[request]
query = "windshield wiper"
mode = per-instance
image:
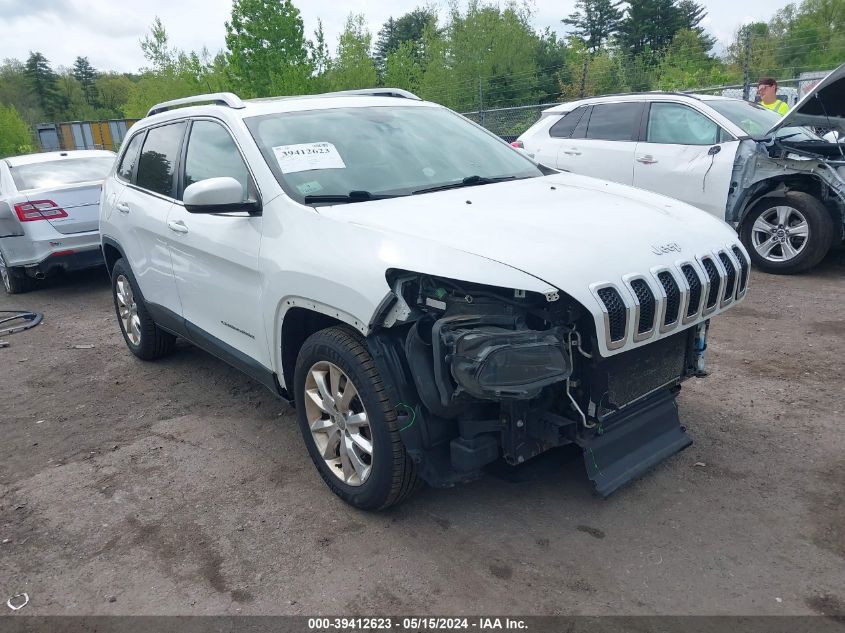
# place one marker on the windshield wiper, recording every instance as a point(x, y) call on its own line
point(469, 181)
point(352, 196)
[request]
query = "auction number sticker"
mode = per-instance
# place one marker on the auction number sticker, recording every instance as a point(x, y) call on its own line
point(308, 156)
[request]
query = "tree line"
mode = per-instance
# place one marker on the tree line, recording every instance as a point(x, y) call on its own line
point(482, 55)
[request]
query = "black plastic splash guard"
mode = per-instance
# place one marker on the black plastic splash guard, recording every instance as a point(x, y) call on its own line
point(639, 438)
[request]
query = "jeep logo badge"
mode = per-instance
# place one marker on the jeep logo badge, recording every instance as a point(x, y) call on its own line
point(666, 248)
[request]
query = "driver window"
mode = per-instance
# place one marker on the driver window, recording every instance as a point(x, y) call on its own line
point(676, 124)
point(212, 153)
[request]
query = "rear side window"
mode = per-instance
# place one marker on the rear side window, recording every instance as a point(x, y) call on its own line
point(212, 153)
point(565, 126)
point(66, 171)
point(676, 124)
point(159, 157)
point(615, 122)
point(130, 157)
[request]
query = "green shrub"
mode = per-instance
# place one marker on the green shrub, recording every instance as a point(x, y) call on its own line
point(15, 135)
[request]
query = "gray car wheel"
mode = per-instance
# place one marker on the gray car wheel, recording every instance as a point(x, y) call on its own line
point(787, 234)
point(348, 423)
point(15, 281)
point(143, 337)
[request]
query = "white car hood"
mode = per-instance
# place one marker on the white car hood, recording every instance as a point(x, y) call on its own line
point(564, 229)
point(572, 232)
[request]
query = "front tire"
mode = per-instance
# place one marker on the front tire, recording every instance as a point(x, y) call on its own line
point(348, 423)
point(15, 280)
point(787, 234)
point(143, 337)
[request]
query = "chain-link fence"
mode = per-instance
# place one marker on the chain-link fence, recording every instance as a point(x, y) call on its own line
point(509, 123)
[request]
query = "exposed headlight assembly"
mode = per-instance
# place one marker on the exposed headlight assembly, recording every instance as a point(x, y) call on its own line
point(491, 363)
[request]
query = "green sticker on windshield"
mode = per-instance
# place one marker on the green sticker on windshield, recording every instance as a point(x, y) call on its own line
point(307, 188)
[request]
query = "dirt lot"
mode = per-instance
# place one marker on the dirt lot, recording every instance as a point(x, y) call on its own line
point(183, 487)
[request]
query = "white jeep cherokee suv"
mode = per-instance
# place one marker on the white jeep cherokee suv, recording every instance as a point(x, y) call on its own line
point(429, 298)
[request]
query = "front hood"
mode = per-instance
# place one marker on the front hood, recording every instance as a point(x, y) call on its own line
point(558, 228)
point(823, 106)
point(573, 232)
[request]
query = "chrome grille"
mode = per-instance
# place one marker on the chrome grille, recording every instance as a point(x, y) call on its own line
point(730, 270)
point(616, 312)
point(647, 305)
point(694, 283)
point(743, 270)
point(673, 297)
point(715, 282)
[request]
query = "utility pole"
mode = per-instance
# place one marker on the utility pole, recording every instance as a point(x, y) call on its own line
point(583, 87)
point(746, 65)
point(480, 102)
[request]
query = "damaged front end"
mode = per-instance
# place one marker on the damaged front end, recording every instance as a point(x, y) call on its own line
point(479, 373)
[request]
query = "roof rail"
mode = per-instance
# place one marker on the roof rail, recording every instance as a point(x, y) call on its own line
point(228, 99)
point(375, 92)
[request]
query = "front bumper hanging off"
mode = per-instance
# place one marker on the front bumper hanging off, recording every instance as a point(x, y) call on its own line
point(637, 439)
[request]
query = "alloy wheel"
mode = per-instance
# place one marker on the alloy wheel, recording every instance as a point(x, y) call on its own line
point(780, 233)
point(128, 310)
point(339, 423)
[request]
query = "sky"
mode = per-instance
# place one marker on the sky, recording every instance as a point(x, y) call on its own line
point(108, 31)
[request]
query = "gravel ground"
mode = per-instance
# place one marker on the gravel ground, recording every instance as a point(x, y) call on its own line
point(182, 487)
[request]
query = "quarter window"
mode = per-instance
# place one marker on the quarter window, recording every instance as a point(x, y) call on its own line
point(130, 157)
point(159, 156)
point(676, 124)
point(615, 122)
point(564, 127)
point(212, 153)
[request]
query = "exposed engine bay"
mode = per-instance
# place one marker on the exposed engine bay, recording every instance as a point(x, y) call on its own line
point(483, 373)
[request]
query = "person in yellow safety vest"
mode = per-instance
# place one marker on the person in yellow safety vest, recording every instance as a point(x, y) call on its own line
point(767, 90)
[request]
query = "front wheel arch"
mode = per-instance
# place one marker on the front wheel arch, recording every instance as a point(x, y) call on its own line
point(297, 325)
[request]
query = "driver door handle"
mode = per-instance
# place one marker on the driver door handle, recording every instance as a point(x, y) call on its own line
point(122, 207)
point(648, 159)
point(572, 152)
point(178, 227)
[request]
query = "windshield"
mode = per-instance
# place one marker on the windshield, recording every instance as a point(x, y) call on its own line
point(66, 171)
point(380, 151)
point(755, 120)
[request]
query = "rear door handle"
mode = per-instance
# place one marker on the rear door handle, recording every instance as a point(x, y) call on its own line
point(178, 227)
point(648, 159)
point(572, 152)
point(123, 207)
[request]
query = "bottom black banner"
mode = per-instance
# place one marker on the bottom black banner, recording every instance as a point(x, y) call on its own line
point(421, 624)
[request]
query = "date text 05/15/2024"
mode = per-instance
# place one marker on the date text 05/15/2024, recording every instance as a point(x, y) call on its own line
point(416, 624)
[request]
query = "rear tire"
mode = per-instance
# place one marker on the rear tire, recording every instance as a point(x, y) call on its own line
point(15, 279)
point(143, 337)
point(787, 234)
point(330, 363)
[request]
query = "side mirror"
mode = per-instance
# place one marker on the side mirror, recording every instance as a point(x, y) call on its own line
point(218, 195)
point(525, 152)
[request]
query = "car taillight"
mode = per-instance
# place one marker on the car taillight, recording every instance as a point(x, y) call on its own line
point(518, 144)
point(39, 210)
